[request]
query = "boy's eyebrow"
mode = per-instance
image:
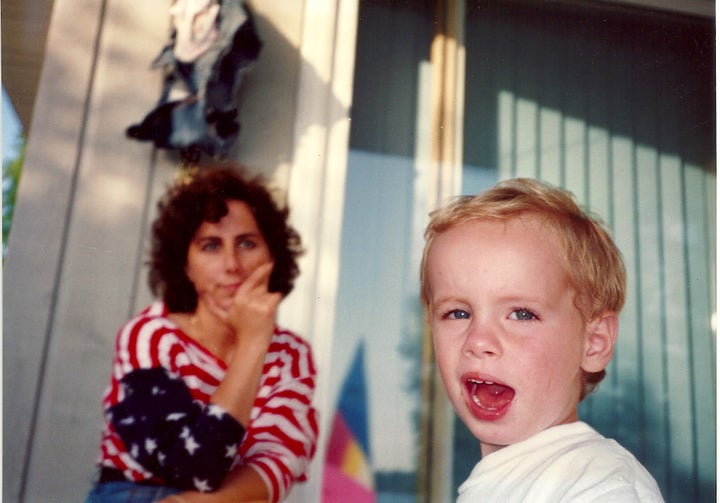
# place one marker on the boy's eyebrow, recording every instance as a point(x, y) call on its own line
point(443, 300)
point(519, 300)
point(525, 299)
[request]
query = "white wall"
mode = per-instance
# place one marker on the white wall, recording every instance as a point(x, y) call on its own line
point(75, 268)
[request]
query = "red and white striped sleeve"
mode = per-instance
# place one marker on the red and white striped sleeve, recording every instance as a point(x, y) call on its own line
point(282, 435)
point(146, 341)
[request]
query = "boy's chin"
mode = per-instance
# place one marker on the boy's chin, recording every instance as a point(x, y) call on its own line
point(494, 435)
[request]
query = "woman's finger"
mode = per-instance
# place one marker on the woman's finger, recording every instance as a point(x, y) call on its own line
point(260, 277)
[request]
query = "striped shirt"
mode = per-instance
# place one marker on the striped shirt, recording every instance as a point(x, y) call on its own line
point(281, 437)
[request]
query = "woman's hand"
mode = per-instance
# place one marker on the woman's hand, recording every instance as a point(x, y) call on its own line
point(254, 308)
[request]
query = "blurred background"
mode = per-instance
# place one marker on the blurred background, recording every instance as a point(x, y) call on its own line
point(366, 114)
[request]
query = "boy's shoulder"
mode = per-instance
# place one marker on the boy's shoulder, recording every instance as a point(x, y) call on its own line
point(571, 462)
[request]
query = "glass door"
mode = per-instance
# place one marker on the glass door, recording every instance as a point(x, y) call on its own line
point(618, 106)
point(378, 336)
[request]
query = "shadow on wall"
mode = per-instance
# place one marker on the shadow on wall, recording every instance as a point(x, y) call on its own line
point(78, 246)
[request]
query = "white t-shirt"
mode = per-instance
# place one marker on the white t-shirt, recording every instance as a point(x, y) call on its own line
point(570, 462)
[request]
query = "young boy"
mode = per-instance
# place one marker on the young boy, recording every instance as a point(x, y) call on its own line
point(522, 292)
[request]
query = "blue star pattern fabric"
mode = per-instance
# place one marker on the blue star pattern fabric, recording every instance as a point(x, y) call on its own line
point(183, 443)
point(281, 434)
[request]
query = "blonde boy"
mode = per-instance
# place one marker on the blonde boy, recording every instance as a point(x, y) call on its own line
point(522, 291)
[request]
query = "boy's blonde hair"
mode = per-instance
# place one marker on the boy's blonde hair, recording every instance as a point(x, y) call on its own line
point(593, 262)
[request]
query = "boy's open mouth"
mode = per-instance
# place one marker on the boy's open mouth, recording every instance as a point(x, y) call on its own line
point(489, 399)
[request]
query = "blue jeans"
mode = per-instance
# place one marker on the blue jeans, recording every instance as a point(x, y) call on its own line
point(128, 492)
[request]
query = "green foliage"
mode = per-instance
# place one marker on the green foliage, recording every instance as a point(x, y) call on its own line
point(10, 179)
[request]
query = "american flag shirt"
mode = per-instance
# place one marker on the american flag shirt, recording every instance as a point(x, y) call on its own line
point(160, 425)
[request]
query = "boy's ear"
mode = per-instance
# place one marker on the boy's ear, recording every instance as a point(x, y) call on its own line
point(600, 336)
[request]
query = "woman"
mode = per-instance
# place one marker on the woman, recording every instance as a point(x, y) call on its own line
point(209, 400)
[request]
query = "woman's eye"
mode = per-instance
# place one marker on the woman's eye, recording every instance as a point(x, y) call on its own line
point(246, 243)
point(522, 315)
point(457, 314)
point(210, 246)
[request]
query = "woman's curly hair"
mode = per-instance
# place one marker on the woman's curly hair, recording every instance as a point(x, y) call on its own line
point(203, 198)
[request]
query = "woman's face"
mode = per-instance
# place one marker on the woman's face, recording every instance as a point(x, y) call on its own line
point(221, 255)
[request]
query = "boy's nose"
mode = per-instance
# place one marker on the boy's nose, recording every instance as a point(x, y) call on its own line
point(482, 340)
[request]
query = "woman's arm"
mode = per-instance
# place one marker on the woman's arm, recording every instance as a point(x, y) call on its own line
point(242, 485)
point(252, 318)
point(155, 428)
point(282, 437)
point(163, 429)
point(281, 441)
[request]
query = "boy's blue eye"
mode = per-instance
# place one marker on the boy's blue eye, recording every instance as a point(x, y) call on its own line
point(522, 315)
point(457, 314)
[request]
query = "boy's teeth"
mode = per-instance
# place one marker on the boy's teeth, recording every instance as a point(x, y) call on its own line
point(489, 395)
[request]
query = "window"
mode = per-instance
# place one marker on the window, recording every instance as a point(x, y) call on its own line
point(378, 309)
point(618, 106)
point(615, 104)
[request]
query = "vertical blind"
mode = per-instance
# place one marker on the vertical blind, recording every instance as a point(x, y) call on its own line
point(618, 106)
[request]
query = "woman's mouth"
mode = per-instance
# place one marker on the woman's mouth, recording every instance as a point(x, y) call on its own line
point(231, 288)
point(488, 400)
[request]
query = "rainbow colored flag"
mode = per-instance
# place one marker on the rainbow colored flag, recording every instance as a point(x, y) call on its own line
point(348, 475)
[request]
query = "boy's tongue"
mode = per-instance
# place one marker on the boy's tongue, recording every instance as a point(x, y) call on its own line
point(490, 396)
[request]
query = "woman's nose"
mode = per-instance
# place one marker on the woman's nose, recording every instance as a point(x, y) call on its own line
point(232, 261)
point(482, 339)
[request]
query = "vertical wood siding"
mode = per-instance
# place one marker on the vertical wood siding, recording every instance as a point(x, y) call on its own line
point(619, 108)
point(75, 268)
point(71, 257)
